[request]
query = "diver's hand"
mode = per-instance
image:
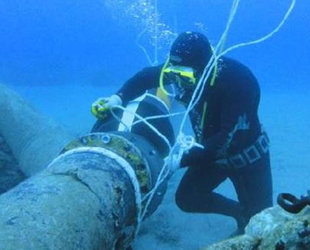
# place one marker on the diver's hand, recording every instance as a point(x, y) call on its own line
point(193, 156)
point(101, 107)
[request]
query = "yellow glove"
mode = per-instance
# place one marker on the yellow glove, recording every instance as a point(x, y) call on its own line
point(102, 106)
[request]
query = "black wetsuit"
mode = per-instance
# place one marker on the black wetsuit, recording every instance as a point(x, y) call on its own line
point(230, 125)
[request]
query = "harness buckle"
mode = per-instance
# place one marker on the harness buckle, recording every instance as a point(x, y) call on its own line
point(252, 154)
point(248, 155)
point(237, 161)
point(263, 143)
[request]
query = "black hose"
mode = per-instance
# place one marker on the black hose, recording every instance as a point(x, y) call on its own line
point(292, 204)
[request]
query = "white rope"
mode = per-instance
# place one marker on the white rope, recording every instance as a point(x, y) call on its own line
point(237, 46)
point(209, 67)
point(159, 117)
point(148, 124)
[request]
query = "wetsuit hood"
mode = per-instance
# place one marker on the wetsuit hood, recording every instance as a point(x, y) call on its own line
point(191, 49)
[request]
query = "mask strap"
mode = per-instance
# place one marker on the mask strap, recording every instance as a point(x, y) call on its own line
point(161, 79)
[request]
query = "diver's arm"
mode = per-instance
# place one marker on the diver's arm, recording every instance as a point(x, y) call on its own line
point(215, 145)
point(137, 85)
point(239, 122)
point(237, 107)
point(144, 80)
point(234, 120)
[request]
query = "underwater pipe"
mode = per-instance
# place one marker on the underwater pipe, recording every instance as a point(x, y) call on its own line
point(35, 140)
point(89, 197)
point(10, 174)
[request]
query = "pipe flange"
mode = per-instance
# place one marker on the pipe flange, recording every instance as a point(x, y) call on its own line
point(122, 147)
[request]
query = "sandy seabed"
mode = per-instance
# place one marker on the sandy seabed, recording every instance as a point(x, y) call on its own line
point(285, 116)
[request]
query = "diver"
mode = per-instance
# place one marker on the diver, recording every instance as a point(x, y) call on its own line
point(225, 122)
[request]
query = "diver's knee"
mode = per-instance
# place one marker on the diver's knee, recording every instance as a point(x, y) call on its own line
point(182, 201)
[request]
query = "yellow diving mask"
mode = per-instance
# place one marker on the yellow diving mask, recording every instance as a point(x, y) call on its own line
point(181, 75)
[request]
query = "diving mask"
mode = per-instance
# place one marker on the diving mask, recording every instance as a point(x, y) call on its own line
point(181, 76)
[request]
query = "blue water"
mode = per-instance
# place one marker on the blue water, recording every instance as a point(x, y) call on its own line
point(63, 54)
point(60, 42)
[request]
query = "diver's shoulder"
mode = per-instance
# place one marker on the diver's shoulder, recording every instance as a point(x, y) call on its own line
point(231, 62)
point(234, 67)
point(153, 68)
